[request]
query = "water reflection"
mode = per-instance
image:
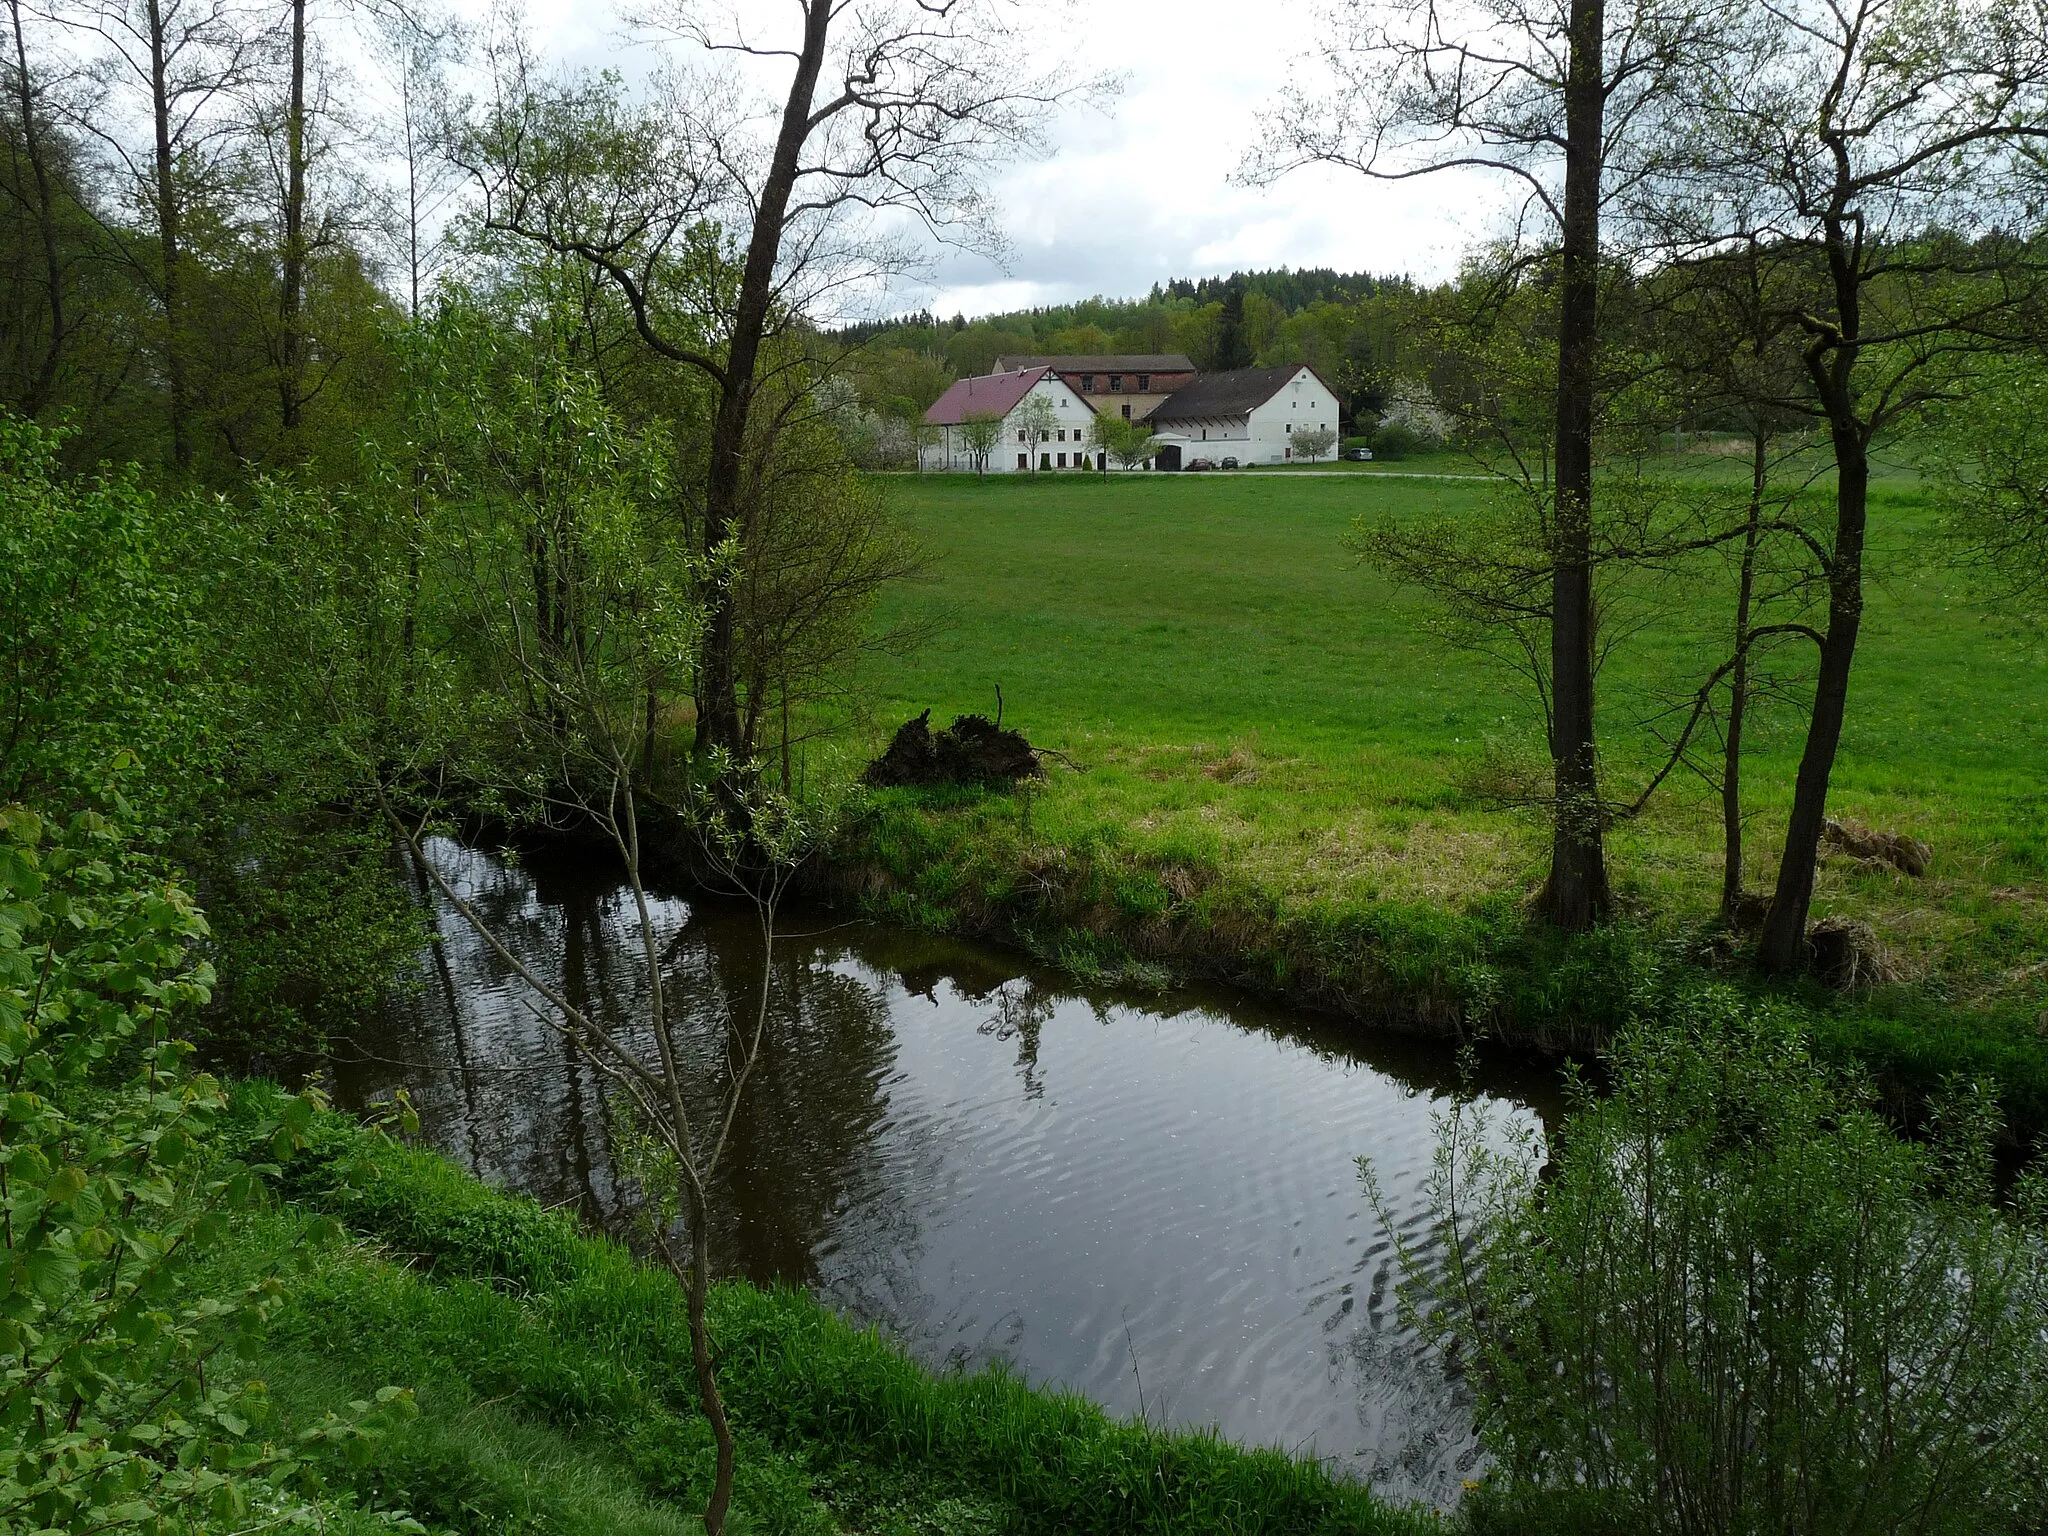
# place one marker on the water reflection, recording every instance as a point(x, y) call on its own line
point(1155, 1203)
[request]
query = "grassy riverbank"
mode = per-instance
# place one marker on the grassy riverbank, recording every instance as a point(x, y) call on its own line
point(552, 1374)
point(1289, 783)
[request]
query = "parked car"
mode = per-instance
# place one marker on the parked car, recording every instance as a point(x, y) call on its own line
point(1201, 463)
point(1358, 455)
point(1230, 463)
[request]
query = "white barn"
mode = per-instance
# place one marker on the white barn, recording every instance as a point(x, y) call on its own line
point(1247, 414)
point(1062, 438)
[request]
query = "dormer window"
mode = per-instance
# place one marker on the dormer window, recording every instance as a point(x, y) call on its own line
point(1088, 383)
point(1116, 383)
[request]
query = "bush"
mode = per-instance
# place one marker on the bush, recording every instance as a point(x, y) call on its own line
point(110, 1419)
point(1737, 1301)
point(1397, 440)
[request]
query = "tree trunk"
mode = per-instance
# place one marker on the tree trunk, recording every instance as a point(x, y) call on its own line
point(1831, 359)
point(291, 346)
point(708, 1399)
point(1738, 685)
point(168, 221)
point(37, 391)
point(719, 723)
point(1784, 942)
point(1577, 895)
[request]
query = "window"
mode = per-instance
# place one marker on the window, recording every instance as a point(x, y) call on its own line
point(1063, 434)
point(1144, 382)
point(1022, 438)
point(1045, 461)
point(1063, 459)
point(1088, 382)
point(1116, 383)
point(1127, 412)
point(1023, 461)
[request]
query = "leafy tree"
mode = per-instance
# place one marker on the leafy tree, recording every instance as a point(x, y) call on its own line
point(1993, 445)
point(886, 108)
point(1038, 421)
point(980, 434)
point(1564, 100)
point(98, 626)
point(1877, 143)
point(1312, 443)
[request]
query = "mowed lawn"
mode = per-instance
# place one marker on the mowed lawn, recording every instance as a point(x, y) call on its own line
point(1238, 686)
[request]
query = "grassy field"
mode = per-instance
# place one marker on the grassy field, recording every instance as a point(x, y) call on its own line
point(1242, 694)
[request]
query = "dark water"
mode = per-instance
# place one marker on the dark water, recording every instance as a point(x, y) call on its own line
point(1155, 1202)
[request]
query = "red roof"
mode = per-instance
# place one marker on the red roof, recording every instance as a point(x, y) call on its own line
point(993, 394)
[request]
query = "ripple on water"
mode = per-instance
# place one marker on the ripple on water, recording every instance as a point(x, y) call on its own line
point(1155, 1203)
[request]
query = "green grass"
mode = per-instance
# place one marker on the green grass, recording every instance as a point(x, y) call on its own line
point(552, 1372)
point(1251, 705)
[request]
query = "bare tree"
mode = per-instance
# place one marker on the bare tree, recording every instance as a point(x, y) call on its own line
point(182, 67)
point(414, 50)
point(891, 108)
point(1724, 332)
point(1874, 141)
point(1569, 100)
point(40, 179)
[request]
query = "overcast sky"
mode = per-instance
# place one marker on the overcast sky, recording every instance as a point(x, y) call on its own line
point(1141, 191)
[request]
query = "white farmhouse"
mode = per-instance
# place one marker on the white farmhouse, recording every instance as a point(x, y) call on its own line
point(1246, 415)
point(1062, 436)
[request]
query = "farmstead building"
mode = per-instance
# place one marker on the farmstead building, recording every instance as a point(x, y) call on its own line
point(1062, 435)
point(1247, 414)
point(1128, 384)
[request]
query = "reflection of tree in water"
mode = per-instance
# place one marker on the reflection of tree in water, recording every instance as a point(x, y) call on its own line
point(800, 1141)
point(1022, 1009)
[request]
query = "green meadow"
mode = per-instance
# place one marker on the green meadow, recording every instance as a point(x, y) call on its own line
point(1234, 688)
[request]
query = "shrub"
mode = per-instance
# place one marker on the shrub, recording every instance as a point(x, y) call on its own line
point(110, 1419)
point(1737, 1301)
point(1396, 440)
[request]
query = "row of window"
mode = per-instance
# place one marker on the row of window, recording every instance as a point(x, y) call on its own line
point(1024, 433)
point(1045, 461)
point(1116, 383)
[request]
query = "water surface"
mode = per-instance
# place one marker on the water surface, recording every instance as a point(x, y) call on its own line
point(1154, 1201)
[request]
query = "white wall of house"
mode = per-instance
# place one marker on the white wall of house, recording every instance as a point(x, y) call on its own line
point(1063, 446)
point(1261, 437)
point(1302, 402)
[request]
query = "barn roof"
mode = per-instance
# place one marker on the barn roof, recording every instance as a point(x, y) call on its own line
point(988, 394)
point(1106, 362)
point(1236, 393)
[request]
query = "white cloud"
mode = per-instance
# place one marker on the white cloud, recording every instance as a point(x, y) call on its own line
point(1142, 192)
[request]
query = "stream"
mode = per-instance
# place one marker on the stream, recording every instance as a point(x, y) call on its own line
point(1152, 1200)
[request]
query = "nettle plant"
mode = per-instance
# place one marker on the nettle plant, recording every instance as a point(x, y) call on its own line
point(120, 1406)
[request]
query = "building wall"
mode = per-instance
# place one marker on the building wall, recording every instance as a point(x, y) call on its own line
point(1064, 447)
point(1112, 402)
point(1262, 436)
point(1303, 403)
